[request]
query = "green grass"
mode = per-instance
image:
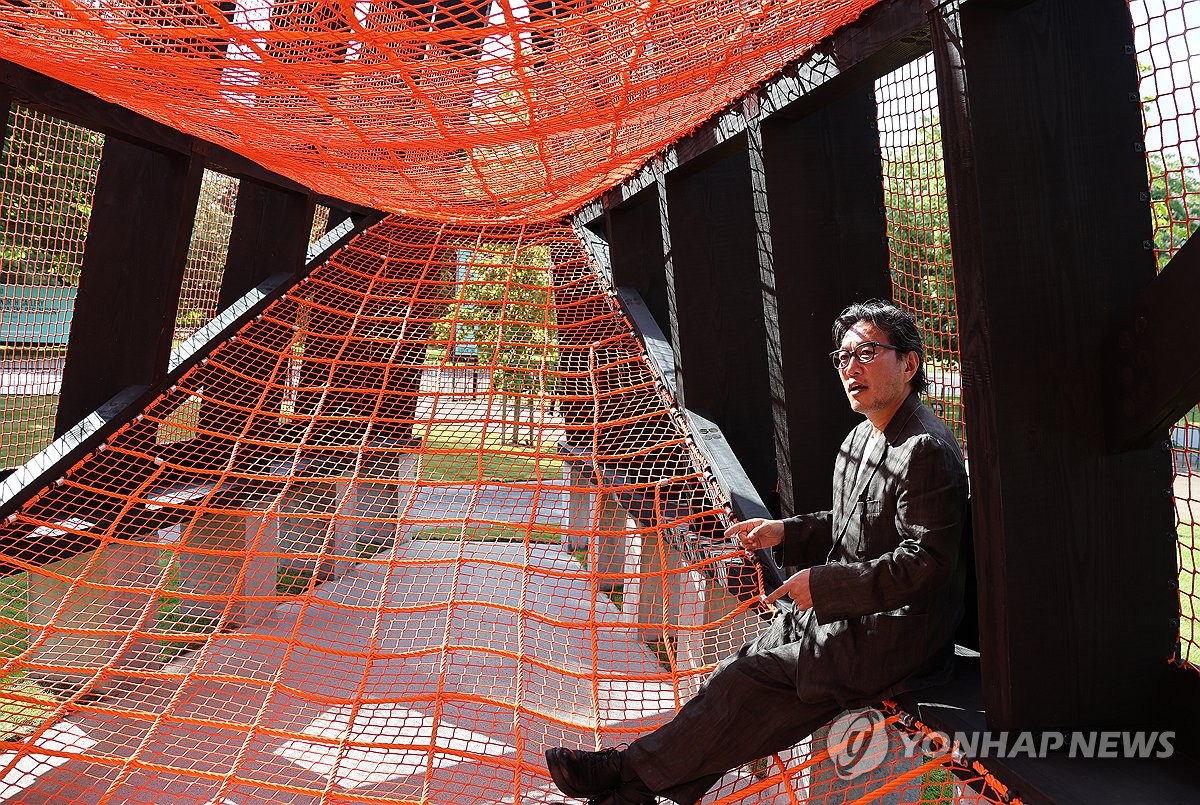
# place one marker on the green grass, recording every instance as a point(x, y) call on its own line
point(950, 409)
point(937, 785)
point(13, 638)
point(1188, 590)
point(26, 426)
point(488, 533)
point(459, 454)
point(18, 718)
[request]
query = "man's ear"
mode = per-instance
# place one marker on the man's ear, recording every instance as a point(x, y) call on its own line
point(911, 363)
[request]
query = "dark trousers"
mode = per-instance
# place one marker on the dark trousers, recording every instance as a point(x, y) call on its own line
point(748, 709)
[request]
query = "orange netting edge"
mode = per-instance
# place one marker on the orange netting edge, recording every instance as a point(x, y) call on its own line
point(467, 110)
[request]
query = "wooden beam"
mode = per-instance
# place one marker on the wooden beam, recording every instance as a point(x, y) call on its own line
point(1157, 378)
point(828, 248)
point(636, 251)
point(44, 94)
point(1042, 130)
point(887, 36)
point(719, 333)
point(270, 234)
point(133, 263)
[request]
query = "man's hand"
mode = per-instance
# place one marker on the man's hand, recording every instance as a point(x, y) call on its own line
point(796, 588)
point(756, 533)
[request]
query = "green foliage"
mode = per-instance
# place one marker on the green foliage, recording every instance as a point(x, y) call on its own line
point(1174, 203)
point(502, 308)
point(50, 169)
point(1174, 186)
point(26, 426)
point(207, 251)
point(914, 192)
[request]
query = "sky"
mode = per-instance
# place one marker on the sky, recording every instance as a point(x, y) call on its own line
point(1167, 37)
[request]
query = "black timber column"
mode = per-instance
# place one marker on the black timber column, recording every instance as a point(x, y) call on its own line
point(1075, 543)
point(133, 262)
point(636, 250)
point(5, 112)
point(719, 334)
point(824, 190)
point(269, 235)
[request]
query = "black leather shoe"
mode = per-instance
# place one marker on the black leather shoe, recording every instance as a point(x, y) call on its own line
point(584, 774)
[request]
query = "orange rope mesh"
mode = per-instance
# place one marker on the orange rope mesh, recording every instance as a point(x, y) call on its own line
point(1165, 38)
point(206, 253)
point(430, 512)
point(918, 221)
point(463, 109)
point(47, 178)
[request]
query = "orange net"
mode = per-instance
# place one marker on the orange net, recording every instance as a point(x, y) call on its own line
point(366, 568)
point(1167, 47)
point(918, 221)
point(47, 179)
point(463, 109)
point(209, 246)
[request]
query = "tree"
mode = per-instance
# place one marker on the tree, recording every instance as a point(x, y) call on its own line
point(1174, 203)
point(49, 178)
point(918, 222)
point(207, 252)
point(503, 314)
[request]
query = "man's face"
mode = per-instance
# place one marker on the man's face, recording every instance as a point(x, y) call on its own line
point(876, 389)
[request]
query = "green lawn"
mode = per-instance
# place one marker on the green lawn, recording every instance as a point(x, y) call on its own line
point(26, 426)
point(1188, 590)
point(488, 533)
point(18, 717)
point(458, 453)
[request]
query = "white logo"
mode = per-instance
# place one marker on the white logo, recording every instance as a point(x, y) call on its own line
point(858, 742)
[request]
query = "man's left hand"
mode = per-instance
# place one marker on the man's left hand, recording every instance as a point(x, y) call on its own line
point(795, 588)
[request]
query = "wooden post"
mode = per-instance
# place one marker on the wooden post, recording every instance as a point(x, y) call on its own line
point(269, 235)
point(6, 105)
point(636, 248)
point(133, 263)
point(828, 248)
point(1075, 544)
point(718, 327)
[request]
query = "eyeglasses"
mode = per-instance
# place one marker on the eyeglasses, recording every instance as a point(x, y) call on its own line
point(864, 352)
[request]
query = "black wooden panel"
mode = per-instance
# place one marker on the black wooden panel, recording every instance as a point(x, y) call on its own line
point(1075, 545)
point(636, 250)
point(829, 239)
point(133, 262)
point(1156, 380)
point(721, 337)
point(270, 235)
point(6, 107)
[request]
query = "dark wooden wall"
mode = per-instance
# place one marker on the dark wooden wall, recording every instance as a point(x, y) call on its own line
point(717, 305)
point(774, 221)
point(1050, 227)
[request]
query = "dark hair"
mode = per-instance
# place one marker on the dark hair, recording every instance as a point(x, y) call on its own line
point(899, 325)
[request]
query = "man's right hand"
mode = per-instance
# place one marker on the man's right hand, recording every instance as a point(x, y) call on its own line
point(756, 533)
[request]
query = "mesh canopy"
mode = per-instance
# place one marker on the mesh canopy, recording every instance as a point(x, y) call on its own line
point(465, 109)
point(429, 513)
